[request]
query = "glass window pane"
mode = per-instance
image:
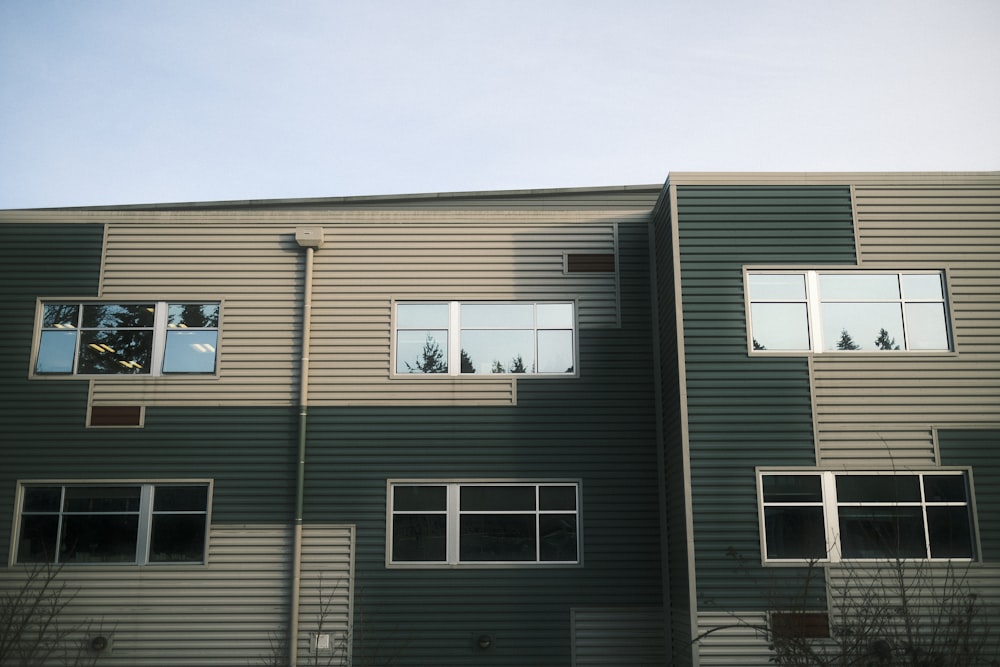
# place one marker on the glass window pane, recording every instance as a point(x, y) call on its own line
point(42, 499)
point(950, 532)
point(422, 316)
point(102, 499)
point(557, 498)
point(180, 499)
point(55, 352)
point(878, 488)
point(499, 351)
point(60, 316)
point(419, 498)
point(177, 538)
point(862, 326)
point(922, 286)
point(795, 532)
point(776, 287)
point(557, 537)
point(555, 351)
point(882, 532)
point(117, 316)
point(190, 351)
point(780, 326)
point(419, 537)
point(858, 286)
point(115, 352)
point(100, 538)
point(37, 543)
point(422, 352)
point(193, 315)
point(926, 326)
point(555, 315)
point(493, 537)
point(497, 498)
point(945, 488)
point(497, 316)
point(792, 488)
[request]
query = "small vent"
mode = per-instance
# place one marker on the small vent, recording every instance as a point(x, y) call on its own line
point(800, 625)
point(590, 263)
point(115, 415)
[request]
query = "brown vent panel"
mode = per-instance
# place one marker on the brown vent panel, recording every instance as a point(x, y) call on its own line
point(800, 624)
point(115, 415)
point(590, 263)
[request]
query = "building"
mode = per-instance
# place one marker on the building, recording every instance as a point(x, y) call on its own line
point(553, 427)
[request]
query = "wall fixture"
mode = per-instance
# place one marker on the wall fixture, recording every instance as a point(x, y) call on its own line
point(484, 642)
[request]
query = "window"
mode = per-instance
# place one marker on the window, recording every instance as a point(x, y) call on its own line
point(113, 523)
point(829, 516)
point(452, 338)
point(826, 311)
point(452, 523)
point(152, 338)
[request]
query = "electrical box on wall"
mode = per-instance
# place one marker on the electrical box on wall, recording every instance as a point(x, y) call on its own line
point(309, 237)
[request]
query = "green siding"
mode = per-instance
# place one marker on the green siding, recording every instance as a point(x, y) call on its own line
point(745, 412)
point(978, 448)
point(597, 428)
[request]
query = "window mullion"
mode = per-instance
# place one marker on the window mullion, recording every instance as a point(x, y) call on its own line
point(452, 538)
point(145, 524)
point(831, 516)
point(814, 308)
point(159, 338)
point(454, 338)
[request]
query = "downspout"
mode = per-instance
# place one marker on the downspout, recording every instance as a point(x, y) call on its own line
point(310, 238)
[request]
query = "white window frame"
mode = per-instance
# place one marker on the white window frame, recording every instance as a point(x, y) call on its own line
point(453, 514)
point(831, 515)
point(145, 521)
point(158, 344)
point(814, 304)
point(454, 329)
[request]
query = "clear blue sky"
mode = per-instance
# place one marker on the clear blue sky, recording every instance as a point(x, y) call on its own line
point(141, 101)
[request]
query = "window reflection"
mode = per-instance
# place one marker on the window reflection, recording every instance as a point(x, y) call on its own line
point(190, 352)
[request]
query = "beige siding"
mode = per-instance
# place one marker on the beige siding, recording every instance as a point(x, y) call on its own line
point(369, 259)
point(881, 410)
point(730, 639)
point(228, 612)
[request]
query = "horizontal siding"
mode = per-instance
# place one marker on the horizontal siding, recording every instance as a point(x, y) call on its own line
point(728, 640)
point(616, 637)
point(881, 410)
point(229, 612)
point(368, 260)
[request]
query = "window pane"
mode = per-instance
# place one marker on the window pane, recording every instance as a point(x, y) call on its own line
point(878, 488)
point(858, 286)
point(500, 351)
point(117, 316)
point(42, 499)
point(555, 315)
point(862, 326)
point(557, 498)
point(101, 538)
point(950, 531)
point(555, 351)
point(55, 352)
point(922, 286)
point(422, 316)
point(60, 316)
point(780, 326)
point(492, 537)
point(926, 326)
point(497, 498)
point(177, 538)
point(557, 537)
point(882, 532)
point(792, 488)
point(419, 537)
point(190, 352)
point(419, 498)
point(944, 488)
point(497, 316)
point(776, 287)
point(193, 315)
point(795, 532)
point(37, 543)
point(102, 499)
point(422, 352)
point(115, 352)
point(180, 499)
